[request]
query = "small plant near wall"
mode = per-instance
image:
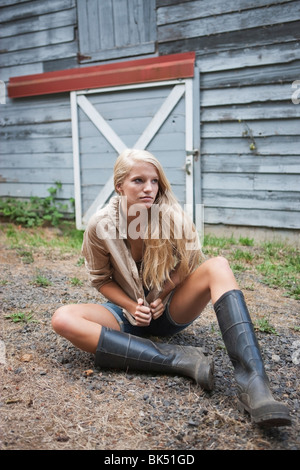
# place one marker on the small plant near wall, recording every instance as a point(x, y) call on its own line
point(36, 211)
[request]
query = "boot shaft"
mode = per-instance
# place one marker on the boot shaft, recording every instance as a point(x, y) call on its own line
point(120, 350)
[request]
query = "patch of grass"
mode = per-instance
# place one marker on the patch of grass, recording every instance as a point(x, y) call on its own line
point(27, 256)
point(80, 261)
point(243, 255)
point(76, 282)
point(280, 267)
point(41, 281)
point(66, 238)
point(20, 317)
point(264, 326)
point(277, 263)
point(245, 241)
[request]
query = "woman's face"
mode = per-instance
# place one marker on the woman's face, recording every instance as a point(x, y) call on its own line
point(141, 185)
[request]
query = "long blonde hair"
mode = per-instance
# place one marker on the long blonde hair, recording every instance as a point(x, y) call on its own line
point(165, 246)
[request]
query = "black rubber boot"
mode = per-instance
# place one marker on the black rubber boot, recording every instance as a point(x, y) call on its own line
point(120, 350)
point(240, 340)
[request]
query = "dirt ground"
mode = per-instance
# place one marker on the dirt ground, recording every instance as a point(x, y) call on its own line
point(53, 398)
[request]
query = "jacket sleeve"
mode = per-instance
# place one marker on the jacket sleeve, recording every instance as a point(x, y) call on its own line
point(97, 257)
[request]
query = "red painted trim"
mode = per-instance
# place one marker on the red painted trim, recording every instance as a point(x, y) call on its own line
point(118, 73)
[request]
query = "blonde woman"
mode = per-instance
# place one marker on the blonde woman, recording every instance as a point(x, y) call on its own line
point(142, 254)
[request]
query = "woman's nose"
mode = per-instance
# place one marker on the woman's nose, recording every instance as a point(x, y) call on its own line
point(148, 186)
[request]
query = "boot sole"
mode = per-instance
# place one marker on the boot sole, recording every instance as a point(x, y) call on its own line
point(267, 419)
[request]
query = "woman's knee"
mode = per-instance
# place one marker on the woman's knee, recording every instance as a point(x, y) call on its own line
point(218, 265)
point(61, 319)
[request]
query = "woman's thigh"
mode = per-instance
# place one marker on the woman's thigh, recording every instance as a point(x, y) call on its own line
point(74, 315)
point(208, 282)
point(190, 297)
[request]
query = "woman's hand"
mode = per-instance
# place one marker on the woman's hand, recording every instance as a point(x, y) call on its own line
point(142, 314)
point(157, 308)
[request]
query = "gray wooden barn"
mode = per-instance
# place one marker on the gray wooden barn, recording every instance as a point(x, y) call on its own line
point(211, 87)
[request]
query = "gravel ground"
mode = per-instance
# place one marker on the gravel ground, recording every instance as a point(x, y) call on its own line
point(53, 398)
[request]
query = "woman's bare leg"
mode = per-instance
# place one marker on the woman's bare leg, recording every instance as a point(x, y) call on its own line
point(81, 324)
point(208, 282)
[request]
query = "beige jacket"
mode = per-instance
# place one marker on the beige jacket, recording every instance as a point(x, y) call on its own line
point(108, 257)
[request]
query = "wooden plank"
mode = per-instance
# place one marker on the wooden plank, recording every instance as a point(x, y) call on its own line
point(33, 175)
point(252, 217)
point(250, 112)
point(253, 56)
point(25, 190)
point(63, 144)
point(256, 129)
point(120, 16)
point(33, 8)
point(100, 160)
point(39, 160)
point(281, 13)
point(251, 182)
point(105, 18)
point(242, 199)
point(51, 52)
point(134, 126)
point(189, 147)
point(278, 145)
point(233, 40)
point(17, 70)
point(38, 23)
point(5, 3)
point(41, 112)
point(288, 164)
point(76, 160)
point(279, 73)
point(119, 52)
point(38, 39)
point(37, 131)
point(247, 94)
point(201, 9)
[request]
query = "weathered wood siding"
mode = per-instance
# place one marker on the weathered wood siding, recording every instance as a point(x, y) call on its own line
point(248, 55)
point(36, 137)
point(114, 29)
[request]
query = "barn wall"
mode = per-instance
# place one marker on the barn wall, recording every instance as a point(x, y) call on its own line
point(248, 55)
point(36, 137)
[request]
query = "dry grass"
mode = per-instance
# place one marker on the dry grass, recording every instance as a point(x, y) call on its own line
point(49, 401)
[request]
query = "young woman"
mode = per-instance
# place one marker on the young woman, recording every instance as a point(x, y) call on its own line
point(143, 256)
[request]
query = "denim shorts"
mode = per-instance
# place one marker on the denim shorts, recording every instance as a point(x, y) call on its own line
point(163, 326)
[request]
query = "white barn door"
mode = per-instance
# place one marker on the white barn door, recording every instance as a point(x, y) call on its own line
point(159, 117)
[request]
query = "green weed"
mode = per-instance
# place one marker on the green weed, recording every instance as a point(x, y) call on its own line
point(36, 211)
point(76, 282)
point(41, 281)
point(20, 317)
point(264, 326)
